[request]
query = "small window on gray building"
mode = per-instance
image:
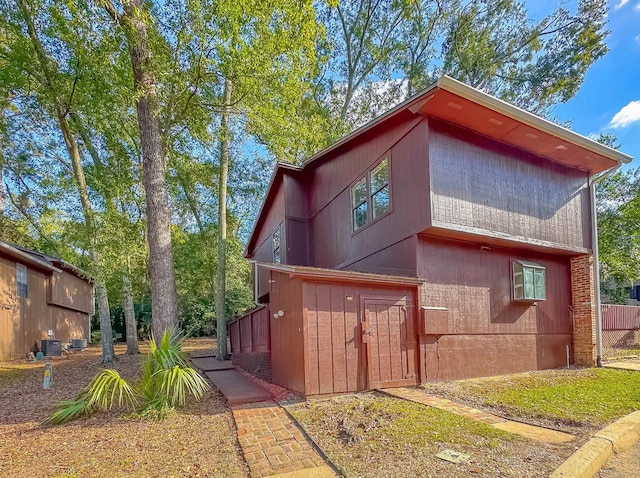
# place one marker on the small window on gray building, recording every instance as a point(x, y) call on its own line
point(529, 282)
point(276, 245)
point(21, 280)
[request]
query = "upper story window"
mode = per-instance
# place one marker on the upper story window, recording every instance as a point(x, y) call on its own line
point(529, 281)
point(275, 240)
point(21, 280)
point(370, 195)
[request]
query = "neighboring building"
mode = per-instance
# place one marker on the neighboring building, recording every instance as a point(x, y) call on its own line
point(39, 293)
point(448, 238)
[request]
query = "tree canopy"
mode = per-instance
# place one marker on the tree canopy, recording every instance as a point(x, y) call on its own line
point(137, 137)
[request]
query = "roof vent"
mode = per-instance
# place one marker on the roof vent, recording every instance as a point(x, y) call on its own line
point(561, 147)
point(453, 105)
point(531, 135)
point(495, 121)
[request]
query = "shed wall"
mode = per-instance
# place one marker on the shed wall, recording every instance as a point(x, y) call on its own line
point(335, 358)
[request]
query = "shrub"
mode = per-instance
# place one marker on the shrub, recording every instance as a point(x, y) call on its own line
point(165, 382)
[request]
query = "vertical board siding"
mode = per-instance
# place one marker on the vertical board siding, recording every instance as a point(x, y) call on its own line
point(332, 243)
point(260, 329)
point(620, 317)
point(287, 340)
point(245, 333)
point(475, 287)
point(250, 332)
point(336, 360)
point(67, 290)
point(397, 259)
point(479, 183)
point(234, 336)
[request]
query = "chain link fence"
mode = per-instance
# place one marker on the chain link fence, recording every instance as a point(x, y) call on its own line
point(620, 331)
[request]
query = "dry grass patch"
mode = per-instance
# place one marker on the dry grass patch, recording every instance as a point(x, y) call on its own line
point(198, 440)
point(371, 435)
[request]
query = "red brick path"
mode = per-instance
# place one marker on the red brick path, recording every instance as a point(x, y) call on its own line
point(271, 442)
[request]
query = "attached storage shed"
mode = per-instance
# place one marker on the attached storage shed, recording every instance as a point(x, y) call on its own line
point(332, 331)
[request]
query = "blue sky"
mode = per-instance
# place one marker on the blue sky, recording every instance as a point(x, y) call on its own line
point(609, 100)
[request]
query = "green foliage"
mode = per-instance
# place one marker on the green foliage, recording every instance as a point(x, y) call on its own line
point(165, 382)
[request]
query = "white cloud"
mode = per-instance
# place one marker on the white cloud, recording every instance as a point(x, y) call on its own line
point(627, 115)
point(621, 4)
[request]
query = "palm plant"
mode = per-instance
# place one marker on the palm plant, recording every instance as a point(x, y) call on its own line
point(164, 383)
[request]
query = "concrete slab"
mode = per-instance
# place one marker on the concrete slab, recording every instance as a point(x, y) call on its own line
point(623, 365)
point(534, 433)
point(211, 363)
point(237, 388)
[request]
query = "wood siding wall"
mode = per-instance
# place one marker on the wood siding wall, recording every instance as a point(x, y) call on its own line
point(487, 332)
point(250, 333)
point(67, 290)
point(335, 358)
point(287, 341)
point(480, 185)
point(332, 243)
point(25, 320)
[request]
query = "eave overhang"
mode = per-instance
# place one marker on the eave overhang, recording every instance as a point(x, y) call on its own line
point(26, 258)
point(315, 273)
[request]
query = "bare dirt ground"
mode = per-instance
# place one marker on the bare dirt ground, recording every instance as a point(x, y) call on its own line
point(368, 435)
point(623, 465)
point(198, 440)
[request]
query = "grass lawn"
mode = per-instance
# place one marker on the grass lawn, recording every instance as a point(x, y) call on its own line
point(589, 397)
point(372, 435)
point(198, 440)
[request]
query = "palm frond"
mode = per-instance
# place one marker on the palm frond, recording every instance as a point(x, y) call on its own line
point(105, 387)
point(69, 410)
point(174, 384)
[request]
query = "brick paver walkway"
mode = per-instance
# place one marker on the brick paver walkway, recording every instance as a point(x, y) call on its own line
point(272, 444)
point(530, 431)
point(419, 396)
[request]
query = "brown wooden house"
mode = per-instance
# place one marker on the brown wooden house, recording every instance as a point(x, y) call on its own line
point(450, 237)
point(39, 293)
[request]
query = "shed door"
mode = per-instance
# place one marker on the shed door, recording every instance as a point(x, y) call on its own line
point(390, 337)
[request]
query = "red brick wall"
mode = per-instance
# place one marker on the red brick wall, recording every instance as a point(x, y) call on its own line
point(584, 310)
point(257, 363)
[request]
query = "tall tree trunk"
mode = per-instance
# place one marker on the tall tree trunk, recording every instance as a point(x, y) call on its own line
point(222, 224)
point(164, 308)
point(1, 181)
point(104, 315)
point(129, 316)
point(78, 172)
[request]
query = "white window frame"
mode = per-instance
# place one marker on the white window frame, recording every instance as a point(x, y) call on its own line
point(529, 282)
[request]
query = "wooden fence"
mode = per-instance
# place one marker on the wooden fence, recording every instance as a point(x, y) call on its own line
point(250, 332)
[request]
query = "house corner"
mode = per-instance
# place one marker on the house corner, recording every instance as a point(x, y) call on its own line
point(584, 311)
